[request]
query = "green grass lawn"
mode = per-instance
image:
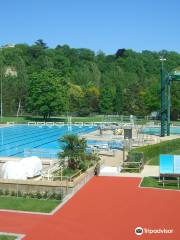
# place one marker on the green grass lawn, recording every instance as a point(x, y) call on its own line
point(27, 204)
point(155, 160)
point(152, 152)
point(7, 237)
point(154, 182)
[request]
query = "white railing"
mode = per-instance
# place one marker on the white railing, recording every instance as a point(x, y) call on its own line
point(10, 123)
point(40, 123)
point(31, 123)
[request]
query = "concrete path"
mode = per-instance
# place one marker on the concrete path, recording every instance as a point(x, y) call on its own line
point(148, 171)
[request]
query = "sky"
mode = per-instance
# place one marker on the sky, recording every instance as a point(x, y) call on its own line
point(105, 25)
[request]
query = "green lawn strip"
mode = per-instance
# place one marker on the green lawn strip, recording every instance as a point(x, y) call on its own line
point(152, 152)
point(28, 204)
point(155, 160)
point(7, 237)
point(14, 119)
point(96, 118)
point(153, 182)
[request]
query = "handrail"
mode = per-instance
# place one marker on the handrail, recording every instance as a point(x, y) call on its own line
point(76, 174)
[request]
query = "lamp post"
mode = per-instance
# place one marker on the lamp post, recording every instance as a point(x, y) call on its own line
point(169, 106)
point(1, 100)
point(163, 99)
point(1, 77)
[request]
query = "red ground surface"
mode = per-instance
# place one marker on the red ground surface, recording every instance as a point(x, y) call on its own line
point(107, 208)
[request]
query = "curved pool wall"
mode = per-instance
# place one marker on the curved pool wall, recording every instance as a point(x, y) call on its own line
point(28, 140)
point(157, 130)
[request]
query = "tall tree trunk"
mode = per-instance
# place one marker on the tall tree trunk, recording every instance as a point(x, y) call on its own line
point(19, 108)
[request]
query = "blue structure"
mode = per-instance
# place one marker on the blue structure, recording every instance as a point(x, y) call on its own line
point(169, 165)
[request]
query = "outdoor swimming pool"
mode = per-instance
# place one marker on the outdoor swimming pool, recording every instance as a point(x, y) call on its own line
point(156, 130)
point(24, 140)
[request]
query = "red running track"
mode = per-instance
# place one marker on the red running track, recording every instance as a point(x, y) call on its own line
point(107, 208)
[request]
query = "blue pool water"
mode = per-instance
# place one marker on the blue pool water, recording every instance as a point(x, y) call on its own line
point(156, 130)
point(24, 140)
point(111, 144)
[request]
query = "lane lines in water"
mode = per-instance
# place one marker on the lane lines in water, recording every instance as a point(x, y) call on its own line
point(29, 137)
point(36, 137)
point(75, 131)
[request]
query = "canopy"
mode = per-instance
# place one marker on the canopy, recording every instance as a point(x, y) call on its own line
point(26, 168)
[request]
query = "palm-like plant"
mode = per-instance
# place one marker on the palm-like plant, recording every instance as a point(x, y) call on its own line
point(74, 150)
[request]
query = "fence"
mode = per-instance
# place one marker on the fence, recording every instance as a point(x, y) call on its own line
point(60, 120)
point(134, 163)
point(37, 188)
point(41, 153)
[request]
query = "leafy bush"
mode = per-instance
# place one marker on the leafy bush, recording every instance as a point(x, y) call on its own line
point(45, 194)
point(38, 195)
point(20, 194)
point(59, 196)
point(135, 156)
point(31, 195)
point(75, 153)
point(69, 172)
point(84, 165)
point(35, 195)
point(13, 193)
point(6, 192)
point(1, 192)
point(53, 195)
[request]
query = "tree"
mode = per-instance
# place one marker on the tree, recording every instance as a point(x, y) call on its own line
point(21, 83)
point(74, 150)
point(41, 43)
point(92, 98)
point(47, 93)
point(126, 82)
point(1, 78)
point(106, 100)
point(118, 100)
point(76, 98)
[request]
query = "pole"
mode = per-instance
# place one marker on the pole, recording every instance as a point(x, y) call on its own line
point(169, 107)
point(1, 97)
point(163, 100)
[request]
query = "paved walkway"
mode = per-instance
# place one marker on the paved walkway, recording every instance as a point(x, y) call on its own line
point(107, 208)
point(148, 171)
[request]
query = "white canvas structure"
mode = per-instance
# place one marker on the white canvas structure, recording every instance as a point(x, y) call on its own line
point(21, 170)
point(13, 170)
point(32, 166)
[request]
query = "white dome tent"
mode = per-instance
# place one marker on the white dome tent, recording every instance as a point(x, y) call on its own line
point(21, 170)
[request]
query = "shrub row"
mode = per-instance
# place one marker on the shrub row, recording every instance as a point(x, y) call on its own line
point(36, 195)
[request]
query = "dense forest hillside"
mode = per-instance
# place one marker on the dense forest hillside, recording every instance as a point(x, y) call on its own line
point(41, 80)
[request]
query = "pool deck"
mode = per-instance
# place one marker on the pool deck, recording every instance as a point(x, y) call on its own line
point(117, 159)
